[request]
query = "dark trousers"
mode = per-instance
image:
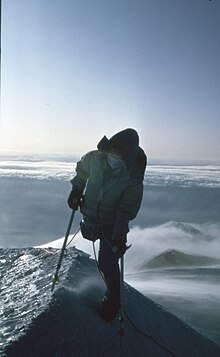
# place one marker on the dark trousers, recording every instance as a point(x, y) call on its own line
point(108, 264)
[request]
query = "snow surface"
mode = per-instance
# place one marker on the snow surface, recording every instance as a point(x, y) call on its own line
point(34, 323)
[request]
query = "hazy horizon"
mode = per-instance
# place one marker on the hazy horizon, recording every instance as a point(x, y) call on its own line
point(62, 155)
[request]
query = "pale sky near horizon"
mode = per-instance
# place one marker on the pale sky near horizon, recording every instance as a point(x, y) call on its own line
point(75, 70)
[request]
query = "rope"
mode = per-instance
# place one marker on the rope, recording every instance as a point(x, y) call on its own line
point(129, 319)
point(51, 253)
point(148, 336)
point(73, 237)
point(57, 251)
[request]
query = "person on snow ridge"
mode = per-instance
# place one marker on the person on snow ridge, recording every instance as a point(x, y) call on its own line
point(108, 188)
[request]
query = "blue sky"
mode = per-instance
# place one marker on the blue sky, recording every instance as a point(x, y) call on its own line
point(75, 70)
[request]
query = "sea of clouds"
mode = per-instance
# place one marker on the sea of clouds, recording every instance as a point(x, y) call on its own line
point(63, 168)
point(193, 239)
point(34, 210)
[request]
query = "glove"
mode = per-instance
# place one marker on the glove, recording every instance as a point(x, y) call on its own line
point(74, 199)
point(119, 248)
point(88, 232)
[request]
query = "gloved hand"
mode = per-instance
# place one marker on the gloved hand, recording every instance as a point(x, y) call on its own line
point(89, 232)
point(119, 248)
point(74, 199)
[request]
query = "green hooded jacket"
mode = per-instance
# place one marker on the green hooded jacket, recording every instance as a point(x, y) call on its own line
point(110, 197)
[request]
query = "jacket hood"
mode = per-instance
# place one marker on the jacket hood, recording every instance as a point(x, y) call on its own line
point(125, 141)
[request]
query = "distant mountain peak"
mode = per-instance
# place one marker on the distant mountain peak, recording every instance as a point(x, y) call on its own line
point(174, 258)
point(185, 227)
point(188, 229)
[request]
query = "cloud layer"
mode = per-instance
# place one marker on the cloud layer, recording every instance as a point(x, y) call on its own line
point(156, 175)
point(193, 239)
point(34, 191)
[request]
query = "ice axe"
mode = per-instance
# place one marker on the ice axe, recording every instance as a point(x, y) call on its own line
point(56, 277)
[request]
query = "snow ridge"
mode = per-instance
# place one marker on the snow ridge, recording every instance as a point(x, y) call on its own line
point(69, 324)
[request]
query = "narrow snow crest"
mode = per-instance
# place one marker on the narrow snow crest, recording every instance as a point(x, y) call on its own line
point(68, 322)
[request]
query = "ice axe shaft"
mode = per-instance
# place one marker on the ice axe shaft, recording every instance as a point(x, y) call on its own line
point(121, 318)
point(56, 278)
